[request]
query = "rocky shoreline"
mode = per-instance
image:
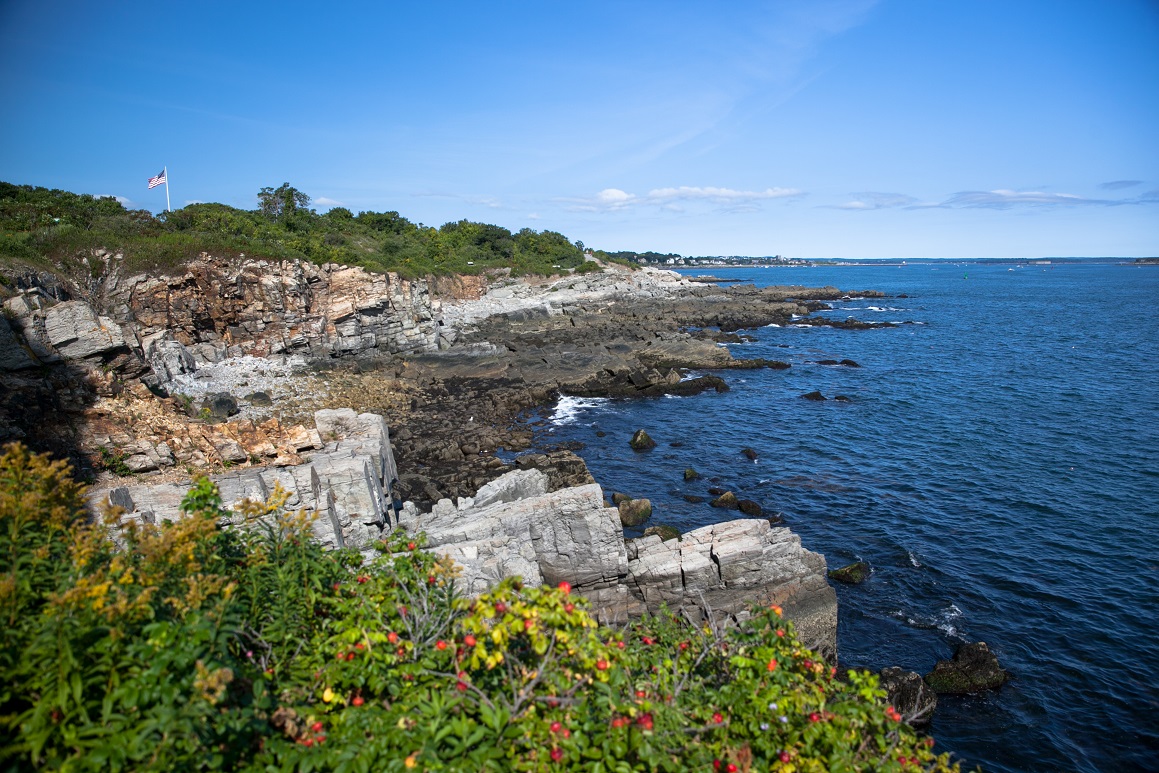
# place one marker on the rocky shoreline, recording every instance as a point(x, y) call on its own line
point(290, 373)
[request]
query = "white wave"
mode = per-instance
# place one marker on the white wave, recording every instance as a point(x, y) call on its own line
point(913, 559)
point(772, 324)
point(568, 409)
point(946, 623)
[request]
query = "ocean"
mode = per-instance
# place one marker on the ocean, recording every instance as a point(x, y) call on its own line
point(997, 463)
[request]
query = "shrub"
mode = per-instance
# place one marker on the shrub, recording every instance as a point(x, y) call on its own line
point(198, 646)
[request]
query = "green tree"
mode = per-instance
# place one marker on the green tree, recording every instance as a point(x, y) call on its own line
point(280, 201)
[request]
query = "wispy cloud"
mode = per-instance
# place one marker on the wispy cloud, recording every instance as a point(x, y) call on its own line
point(873, 200)
point(1118, 185)
point(671, 199)
point(996, 199)
point(124, 200)
point(1005, 199)
point(323, 202)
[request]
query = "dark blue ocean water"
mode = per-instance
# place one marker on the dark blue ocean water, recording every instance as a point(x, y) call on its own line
point(998, 465)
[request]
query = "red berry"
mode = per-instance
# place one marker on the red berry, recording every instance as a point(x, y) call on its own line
point(569, 608)
point(342, 656)
point(640, 693)
point(362, 579)
point(566, 733)
point(785, 757)
point(620, 644)
point(731, 768)
point(461, 686)
point(814, 717)
point(683, 646)
point(410, 546)
point(601, 665)
point(716, 764)
point(528, 625)
point(316, 727)
point(808, 663)
point(440, 645)
point(565, 586)
point(401, 652)
point(772, 666)
point(431, 580)
point(357, 701)
point(469, 640)
point(309, 742)
point(337, 586)
point(645, 721)
point(500, 607)
point(780, 632)
point(556, 727)
point(647, 640)
point(718, 718)
point(556, 755)
point(392, 637)
point(350, 656)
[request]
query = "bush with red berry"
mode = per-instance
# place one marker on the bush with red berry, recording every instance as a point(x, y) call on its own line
point(191, 647)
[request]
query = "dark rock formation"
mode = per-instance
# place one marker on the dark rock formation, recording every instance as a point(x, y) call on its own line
point(641, 441)
point(693, 499)
point(973, 669)
point(691, 474)
point(852, 574)
point(910, 695)
point(750, 454)
point(221, 405)
point(814, 395)
point(750, 508)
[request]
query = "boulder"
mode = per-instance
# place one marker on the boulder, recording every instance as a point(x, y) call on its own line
point(618, 497)
point(726, 501)
point(910, 695)
point(750, 508)
point(853, 574)
point(641, 441)
point(693, 499)
point(260, 399)
point(849, 364)
point(973, 669)
point(663, 531)
point(814, 395)
point(76, 332)
point(635, 511)
point(691, 474)
point(750, 454)
point(221, 405)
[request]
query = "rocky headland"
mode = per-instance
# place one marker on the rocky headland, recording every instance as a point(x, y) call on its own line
point(381, 402)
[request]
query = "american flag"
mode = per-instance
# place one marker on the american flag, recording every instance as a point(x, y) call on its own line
point(158, 180)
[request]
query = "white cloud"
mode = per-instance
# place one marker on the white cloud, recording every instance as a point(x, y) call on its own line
point(324, 203)
point(124, 200)
point(611, 199)
point(533, 216)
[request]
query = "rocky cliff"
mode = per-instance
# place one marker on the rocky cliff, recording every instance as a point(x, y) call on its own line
point(515, 526)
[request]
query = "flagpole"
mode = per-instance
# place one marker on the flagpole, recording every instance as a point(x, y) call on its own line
point(167, 207)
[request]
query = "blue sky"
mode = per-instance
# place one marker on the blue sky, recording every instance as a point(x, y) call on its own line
point(827, 128)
